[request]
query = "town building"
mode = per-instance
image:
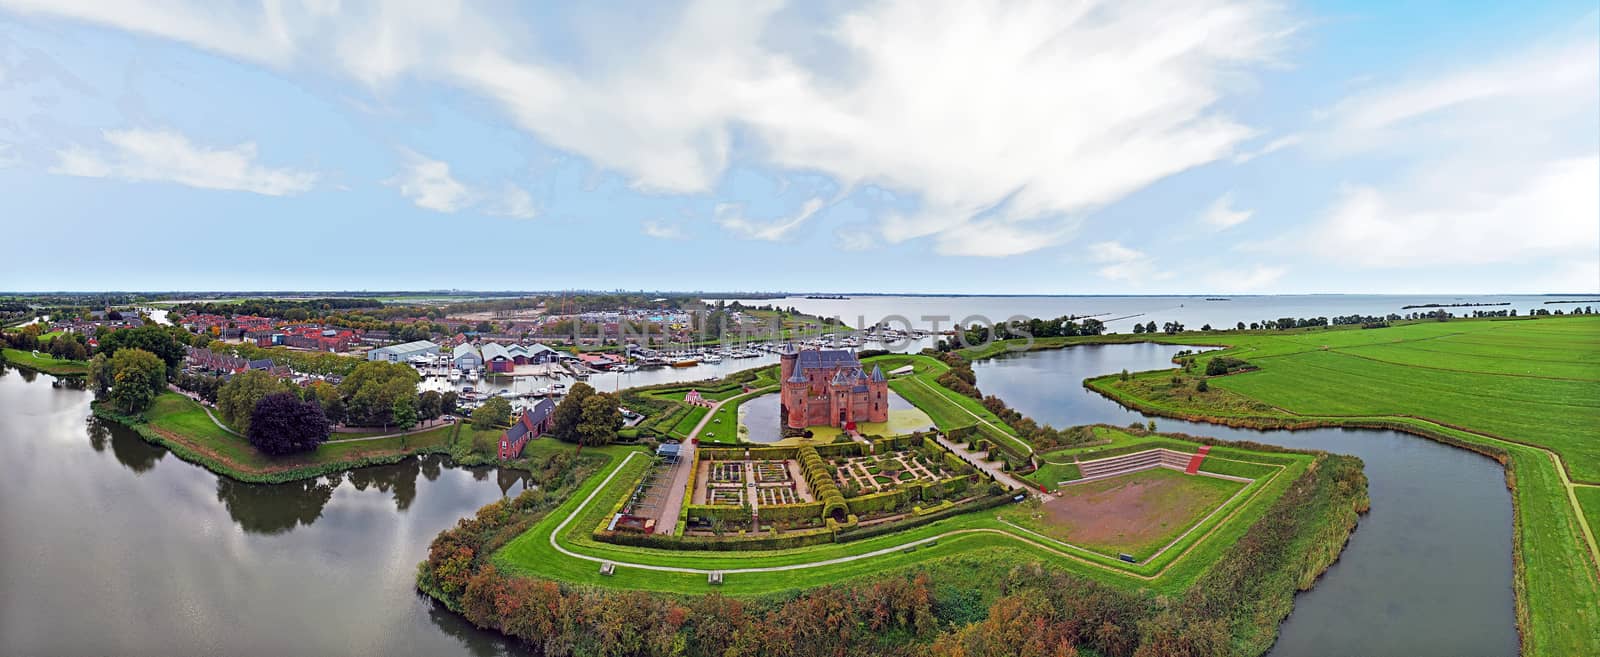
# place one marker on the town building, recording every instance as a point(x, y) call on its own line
point(828, 387)
point(401, 353)
point(466, 357)
point(496, 358)
point(534, 422)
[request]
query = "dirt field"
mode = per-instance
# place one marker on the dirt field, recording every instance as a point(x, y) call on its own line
point(1135, 513)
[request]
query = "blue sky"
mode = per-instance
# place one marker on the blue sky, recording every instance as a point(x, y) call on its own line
point(1028, 147)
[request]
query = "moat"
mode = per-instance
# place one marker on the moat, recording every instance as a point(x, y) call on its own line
point(168, 558)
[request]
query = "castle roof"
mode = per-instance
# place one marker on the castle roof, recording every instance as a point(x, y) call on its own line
point(877, 374)
point(829, 358)
point(797, 377)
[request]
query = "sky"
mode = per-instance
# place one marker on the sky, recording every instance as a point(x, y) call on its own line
point(1191, 147)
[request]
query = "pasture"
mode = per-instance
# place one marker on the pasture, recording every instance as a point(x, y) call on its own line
point(1527, 389)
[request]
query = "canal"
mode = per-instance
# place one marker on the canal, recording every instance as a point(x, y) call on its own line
point(1428, 572)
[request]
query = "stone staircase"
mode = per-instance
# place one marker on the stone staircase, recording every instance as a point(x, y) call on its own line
point(1159, 457)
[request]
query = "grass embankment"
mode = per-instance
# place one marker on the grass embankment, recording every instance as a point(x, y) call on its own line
point(1241, 592)
point(949, 409)
point(723, 428)
point(1175, 570)
point(46, 364)
point(1526, 392)
point(181, 425)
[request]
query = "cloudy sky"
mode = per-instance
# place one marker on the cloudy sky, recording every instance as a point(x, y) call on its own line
point(1194, 146)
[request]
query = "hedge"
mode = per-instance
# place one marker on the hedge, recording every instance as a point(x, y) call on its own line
point(724, 512)
point(822, 486)
point(846, 535)
point(728, 543)
point(885, 501)
point(791, 512)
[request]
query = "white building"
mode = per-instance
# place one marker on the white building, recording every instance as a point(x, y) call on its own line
point(466, 357)
point(401, 353)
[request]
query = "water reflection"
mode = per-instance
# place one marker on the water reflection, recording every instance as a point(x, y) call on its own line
point(132, 451)
point(477, 642)
point(170, 559)
point(275, 508)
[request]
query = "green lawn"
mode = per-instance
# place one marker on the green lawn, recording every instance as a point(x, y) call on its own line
point(45, 363)
point(723, 429)
point(948, 408)
point(979, 532)
point(687, 423)
point(1497, 383)
point(180, 420)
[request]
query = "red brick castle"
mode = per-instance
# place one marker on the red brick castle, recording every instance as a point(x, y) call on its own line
point(828, 387)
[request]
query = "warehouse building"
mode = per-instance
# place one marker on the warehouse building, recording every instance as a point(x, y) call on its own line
point(401, 353)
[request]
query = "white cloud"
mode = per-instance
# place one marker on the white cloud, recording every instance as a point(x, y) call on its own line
point(1221, 215)
point(1251, 279)
point(514, 202)
point(1009, 122)
point(1499, 164)
point(258, 35)
point(662, 230)
point(1477, 218)
point(854, 237)
point(731, 216)
point(1271, 147)
point(167, 156)
point(1125, 265)
point(428, 184)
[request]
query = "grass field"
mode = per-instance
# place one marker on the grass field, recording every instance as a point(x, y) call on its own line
point(687, 423)
point(182, 425)
point(1135, 513)
point(1527, 389)
point(45, 363)
point(571, 524)
point(947, 408)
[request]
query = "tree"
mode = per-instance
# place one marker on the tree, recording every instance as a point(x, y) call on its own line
point(448, 401)
point(492, 414)
point(281, 423)
point(1207, 327)
point(137, 376)
point(238, 397)
point(326, 395)
point(430, 405)
point(371, 389)
point(404, 412)
point(1240, 326)
point(485, 327)
point(167, 343)
point(1202, 386)
point(569, 413)
point(1150, 327)
point(601, 418)
point(100, 372)
point(1138, 328)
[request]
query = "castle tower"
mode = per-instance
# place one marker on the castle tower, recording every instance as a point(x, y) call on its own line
point(878, 389)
